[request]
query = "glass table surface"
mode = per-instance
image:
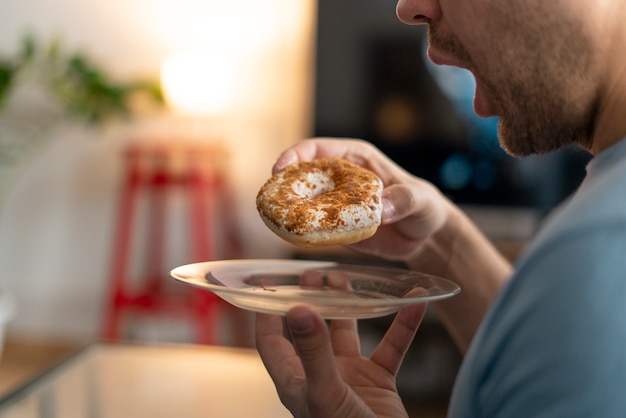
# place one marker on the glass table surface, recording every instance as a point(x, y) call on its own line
point(126, 380)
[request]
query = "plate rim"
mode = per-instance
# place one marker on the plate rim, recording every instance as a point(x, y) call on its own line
point(199, 280)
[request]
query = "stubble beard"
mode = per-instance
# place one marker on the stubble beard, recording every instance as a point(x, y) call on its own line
point(543, 91)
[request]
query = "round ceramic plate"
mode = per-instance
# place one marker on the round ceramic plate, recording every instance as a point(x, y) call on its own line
point(336, 290)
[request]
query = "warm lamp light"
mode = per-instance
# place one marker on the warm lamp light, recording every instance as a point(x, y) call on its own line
point(238, 70)
point(198, 83)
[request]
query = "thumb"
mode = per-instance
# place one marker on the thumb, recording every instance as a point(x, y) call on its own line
point(420, 204)
point(312, 342)
point(397, 202)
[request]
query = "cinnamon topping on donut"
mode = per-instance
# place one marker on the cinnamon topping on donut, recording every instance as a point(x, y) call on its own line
point(323, 196)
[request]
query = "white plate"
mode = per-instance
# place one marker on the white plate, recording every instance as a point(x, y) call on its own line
point(337, 291)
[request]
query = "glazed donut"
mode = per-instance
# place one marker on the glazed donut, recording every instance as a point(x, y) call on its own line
point(323, 202)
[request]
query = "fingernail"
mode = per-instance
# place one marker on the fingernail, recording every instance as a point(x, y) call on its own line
point(284, 161)
point(389, 210)
point(301, 322)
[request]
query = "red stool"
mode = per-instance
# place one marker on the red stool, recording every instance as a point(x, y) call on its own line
point(154, 170)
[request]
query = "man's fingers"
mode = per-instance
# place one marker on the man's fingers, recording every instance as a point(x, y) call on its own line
point(276, 351)
point(390, 352)
point(343, 333)
point(355, 150)
point(312, 341)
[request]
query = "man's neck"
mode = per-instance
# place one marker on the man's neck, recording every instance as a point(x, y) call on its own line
point(610, 129)
point(610, 125)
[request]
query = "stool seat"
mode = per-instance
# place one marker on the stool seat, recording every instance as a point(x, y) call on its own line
point(157, 170)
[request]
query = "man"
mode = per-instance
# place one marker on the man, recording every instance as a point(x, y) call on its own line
point(546, 337)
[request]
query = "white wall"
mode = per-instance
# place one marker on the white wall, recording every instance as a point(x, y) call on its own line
point(58, 216)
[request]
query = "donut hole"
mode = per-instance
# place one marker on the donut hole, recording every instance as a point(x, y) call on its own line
point(315, 184)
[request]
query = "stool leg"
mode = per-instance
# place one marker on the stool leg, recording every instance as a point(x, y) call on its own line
point(227, 211)
point(205, 311)
point(118, 296)
point(160, 182)
point(201, 198)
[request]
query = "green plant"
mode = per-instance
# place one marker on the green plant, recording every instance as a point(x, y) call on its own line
point(81, 88)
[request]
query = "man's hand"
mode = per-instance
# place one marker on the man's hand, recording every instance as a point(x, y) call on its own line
point(413, 209)
point(323, 374)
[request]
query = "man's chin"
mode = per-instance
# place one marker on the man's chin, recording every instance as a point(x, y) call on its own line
point(515, 142)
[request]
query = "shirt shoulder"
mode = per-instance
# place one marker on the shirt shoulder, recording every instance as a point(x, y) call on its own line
point(554, 342)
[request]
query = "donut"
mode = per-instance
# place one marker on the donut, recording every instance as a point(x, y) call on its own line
point(329, 201)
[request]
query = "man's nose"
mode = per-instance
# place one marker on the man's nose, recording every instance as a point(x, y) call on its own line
point(418, 12)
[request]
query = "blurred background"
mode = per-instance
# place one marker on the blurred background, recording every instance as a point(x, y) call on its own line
point(240, 75)
point(82, 83)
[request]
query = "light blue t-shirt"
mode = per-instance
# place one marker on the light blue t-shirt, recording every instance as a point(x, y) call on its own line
point(554, 342)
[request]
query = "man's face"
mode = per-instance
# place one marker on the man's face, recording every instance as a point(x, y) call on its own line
point(534, 66)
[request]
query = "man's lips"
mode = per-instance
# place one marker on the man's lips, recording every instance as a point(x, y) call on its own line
point(441, 59)
point(481, 104)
